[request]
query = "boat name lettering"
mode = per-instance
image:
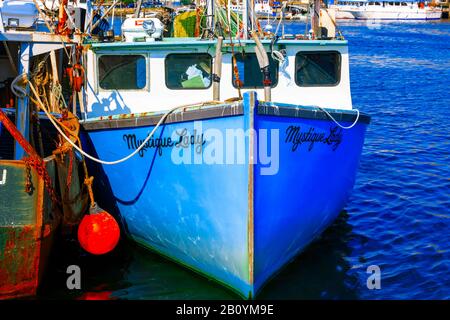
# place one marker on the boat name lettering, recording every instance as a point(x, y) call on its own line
point(133, 143)
point(194, 139)
point(184, 140)
point(297, 137)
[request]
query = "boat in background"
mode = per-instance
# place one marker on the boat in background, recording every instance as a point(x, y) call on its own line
point(396, 10)
point(343, 8)
point(262, 7)
point(387, 10)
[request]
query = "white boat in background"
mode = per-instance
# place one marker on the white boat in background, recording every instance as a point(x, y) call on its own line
point(262, 7)
point(396, 10)
point(343, 8)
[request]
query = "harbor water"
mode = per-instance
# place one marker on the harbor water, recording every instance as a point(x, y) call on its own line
point(397, 218)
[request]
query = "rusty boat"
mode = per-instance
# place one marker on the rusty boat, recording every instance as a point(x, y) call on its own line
point(41, 189)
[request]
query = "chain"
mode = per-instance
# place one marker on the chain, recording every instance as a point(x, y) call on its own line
point(39, 165)
point(28, 183)
point(70, 154)
point(235, 69)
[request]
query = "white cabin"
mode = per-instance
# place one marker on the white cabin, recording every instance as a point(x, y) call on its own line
point(139, 77)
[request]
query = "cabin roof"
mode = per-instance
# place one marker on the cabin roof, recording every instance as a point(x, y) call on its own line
point(31, 36)
point(190, 42)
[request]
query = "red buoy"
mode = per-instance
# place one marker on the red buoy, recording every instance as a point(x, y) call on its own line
point(98, 232)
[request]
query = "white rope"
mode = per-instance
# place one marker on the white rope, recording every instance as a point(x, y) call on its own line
point(340, 125)
point(284, 64)
point(282, 60)
point(50, 117)
point(277, 55)
point(18, 90)
point(57, 92)
point(120, 160)
point(283, 7)
point(324, 110)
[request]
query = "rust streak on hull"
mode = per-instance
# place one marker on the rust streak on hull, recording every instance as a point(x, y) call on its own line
point(19, 261)
point(26, 232)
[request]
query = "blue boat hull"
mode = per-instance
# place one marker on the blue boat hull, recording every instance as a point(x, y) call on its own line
point(234, 217)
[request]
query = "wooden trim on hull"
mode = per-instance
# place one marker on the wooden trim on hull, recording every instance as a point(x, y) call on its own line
point(251, 104)
point(314, 113)
point(142, 120)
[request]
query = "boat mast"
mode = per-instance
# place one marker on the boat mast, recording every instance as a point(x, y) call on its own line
point(245, 19)
point(238, 17)
point(315, 20)
point(209, 15)
point(137, 11)
point(229, 12)
point(252, 15)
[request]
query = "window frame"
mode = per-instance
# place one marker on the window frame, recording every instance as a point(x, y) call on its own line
point(147, 70)
point(188, 53)
point(259, 70)
point(339, 71)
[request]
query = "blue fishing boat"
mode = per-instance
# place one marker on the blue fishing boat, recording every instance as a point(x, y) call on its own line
point(226, 156)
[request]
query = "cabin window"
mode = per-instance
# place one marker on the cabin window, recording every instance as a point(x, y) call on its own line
point(250, 73)
point(122, 72)
point(188, 70)
point(317, 68)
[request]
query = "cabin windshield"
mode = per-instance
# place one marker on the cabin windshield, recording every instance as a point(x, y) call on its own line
point(188, 70)
point(125, 72)
point(250, 73)
point(317, 68)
